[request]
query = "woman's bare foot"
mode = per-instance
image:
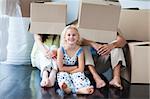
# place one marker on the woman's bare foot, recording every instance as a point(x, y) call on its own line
point(52, 78)
point(44, 82)
point(99, 82)
point(65, 88)
point(86, 90)
point(50, 84)
point(116, 82)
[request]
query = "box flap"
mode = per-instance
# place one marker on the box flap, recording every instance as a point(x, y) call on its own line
point(47, 27)
point(98, 35)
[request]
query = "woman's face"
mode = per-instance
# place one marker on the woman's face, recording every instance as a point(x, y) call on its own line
point(71, 36)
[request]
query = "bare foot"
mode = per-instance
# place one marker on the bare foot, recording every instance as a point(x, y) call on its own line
point(52, 78)
point(116, 82)
point(86, 90)
point(65, 88)
point(99, 82)
point(49, 83)
point(44, 82)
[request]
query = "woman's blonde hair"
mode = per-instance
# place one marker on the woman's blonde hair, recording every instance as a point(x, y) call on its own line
point(63, 34)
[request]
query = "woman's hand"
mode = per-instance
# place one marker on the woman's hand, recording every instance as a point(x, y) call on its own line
point(47, 53)
point(50, 53)
point(53, 54)
point(103, 49)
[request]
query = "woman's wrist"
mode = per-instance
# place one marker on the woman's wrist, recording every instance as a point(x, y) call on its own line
point(113, 44)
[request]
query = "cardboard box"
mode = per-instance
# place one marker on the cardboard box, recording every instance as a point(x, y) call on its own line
point(98, 20)
point(25, 6)
point(134, 24)
point(140, 65)
point(48, 17)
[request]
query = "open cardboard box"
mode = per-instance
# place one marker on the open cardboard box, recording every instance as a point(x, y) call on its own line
point(98, 20)
point(140, 65)
point(134, 24)
point(48, 17)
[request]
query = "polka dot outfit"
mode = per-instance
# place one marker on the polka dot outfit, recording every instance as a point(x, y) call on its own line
point(76, 80)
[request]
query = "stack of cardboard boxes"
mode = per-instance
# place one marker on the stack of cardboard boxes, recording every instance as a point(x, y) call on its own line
point(134, 25)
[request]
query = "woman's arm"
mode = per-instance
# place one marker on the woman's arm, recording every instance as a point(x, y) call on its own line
point(119, 42)
point(80, 64)
point(61, 67)
point(38, 41)
point(104, 49)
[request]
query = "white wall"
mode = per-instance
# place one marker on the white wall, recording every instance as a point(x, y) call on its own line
point(72, 9)
point(142, 4)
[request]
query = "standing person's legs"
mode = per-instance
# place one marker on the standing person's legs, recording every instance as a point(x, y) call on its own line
point(90, 63)
point(117, 60)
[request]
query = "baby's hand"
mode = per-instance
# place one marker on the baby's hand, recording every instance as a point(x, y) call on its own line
point(53, 51)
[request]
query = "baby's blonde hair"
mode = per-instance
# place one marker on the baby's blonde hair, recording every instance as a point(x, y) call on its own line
point(63, 34)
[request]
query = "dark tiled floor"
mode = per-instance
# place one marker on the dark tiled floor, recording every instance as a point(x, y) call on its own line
point(22, 82)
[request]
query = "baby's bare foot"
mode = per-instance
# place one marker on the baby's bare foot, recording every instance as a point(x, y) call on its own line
point(49, 83)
